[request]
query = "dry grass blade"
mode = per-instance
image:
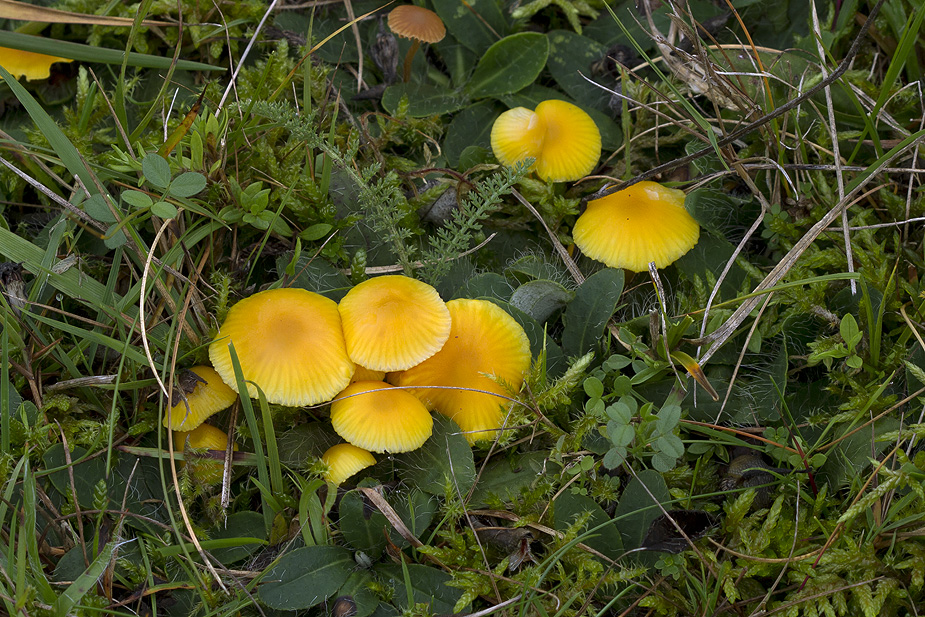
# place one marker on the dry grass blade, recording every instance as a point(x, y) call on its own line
point(722, 334)
point(843, 67)
point(11, 9)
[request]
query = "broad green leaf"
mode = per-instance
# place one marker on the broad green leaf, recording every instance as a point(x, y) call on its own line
point(86, 473)
point(306, 577)
point(570, 58)
point(96, 207)
point(444, 460)
point(541, 299)
point(247, 528)
point(485, 285)
point(636, 509)
point(362, 526)
point(603, 535)
point(187, 184)
point(136, 199)
point(428, 586)
point(620, 434)
point(476, 23)
point(594, 304)
point(512, 63)
point(470, 127)
point(422, 100)
point(538, 337)
point(593, 387)
point(504, 478)
point(316, 232)
point(358, 587)
point(156, 170)
point(164, 210)
point(668, 418)
point(86, 53)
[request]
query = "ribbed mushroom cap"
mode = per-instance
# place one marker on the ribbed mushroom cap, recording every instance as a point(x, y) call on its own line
point(203, 437)
point(563, 139)
point(205, 393)
point(28, 64)
point(364, 374)
point(289, 342)
point(380, 418)
point(344, 460)
point(415, 22)
point(393, 322)
point(486, 345)
point(630, 228)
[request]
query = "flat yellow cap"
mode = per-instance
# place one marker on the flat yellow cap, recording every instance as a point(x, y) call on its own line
point(206, 394)
point(393, 322)
point(486, 346)
point(289, 342)
point(344, 460)
point(380, 418)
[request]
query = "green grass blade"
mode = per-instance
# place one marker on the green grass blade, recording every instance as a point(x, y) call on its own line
point(69, 155)
point(85, 582)
point(263, 473)
point(86, 53)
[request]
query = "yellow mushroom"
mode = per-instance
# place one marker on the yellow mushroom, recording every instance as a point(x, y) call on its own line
point(630, 228)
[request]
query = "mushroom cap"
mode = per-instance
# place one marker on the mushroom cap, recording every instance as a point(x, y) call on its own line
point(365, 374)
point(207, 397)
point(344, 460)
point(393, 322)
point(203, 437)
point(630, 228)
point(28, 64)
point(289, 342)
point(487, 350)
point(381, 418)
point(563, 139)
point(415, 22)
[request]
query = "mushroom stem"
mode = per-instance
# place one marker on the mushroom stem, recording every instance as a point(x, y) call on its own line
point(409, 57)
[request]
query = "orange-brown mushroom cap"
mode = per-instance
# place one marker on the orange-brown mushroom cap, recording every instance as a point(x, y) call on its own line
point(643, 223)
point(415, 22)
point(563, 140)
point(393, 322)
point(488, 351)
point(289, 342)
point(380, 418)
point(208, 396)
point(344, 460)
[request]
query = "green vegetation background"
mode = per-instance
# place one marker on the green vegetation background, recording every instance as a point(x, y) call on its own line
point(144, 194)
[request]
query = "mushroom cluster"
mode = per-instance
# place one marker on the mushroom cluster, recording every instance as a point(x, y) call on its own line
point(386, 356)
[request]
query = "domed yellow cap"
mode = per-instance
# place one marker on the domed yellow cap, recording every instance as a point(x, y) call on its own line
point(563, 139)
point(486, 346)
point(381, 418)
point(344, 460)
point(393, 322)
point(205, 393)
point(289, 342)
point(630, 228)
